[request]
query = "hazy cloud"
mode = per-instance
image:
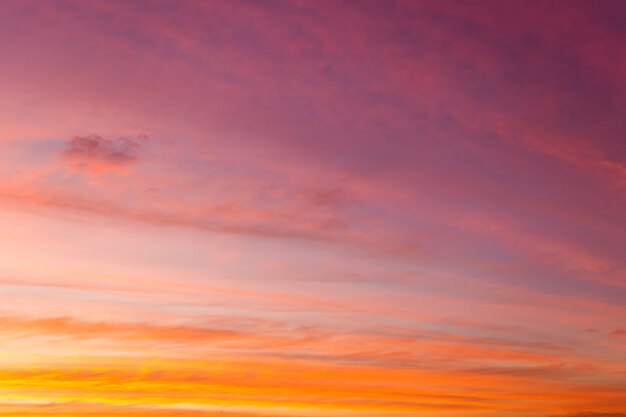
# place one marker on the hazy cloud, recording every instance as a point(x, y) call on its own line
point(96, 153)
point(618, 333)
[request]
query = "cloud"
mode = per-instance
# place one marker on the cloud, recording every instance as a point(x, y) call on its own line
point(319, 344)
point(331, 196)
point(95, 153)
point(619, 333)
point(592, 414)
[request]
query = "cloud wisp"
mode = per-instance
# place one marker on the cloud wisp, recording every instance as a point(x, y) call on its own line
point(94, 153)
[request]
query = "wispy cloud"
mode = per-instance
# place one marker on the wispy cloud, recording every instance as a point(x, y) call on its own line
point(95, 153)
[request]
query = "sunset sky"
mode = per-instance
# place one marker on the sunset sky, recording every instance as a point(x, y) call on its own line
point(329, 208)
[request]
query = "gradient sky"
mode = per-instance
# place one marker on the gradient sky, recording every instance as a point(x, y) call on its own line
point(312, 208)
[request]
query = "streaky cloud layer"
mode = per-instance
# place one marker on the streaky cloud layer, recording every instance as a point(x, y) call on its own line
point(298, 208)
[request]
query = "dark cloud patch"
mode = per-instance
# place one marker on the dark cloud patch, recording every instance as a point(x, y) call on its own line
point(97, 153)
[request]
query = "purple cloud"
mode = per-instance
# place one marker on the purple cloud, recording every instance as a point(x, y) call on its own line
point(96, 153)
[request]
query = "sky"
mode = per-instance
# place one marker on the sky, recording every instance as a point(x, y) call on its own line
point(329, 208)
